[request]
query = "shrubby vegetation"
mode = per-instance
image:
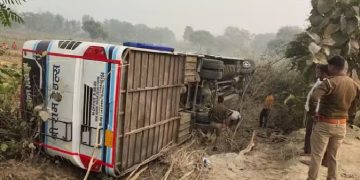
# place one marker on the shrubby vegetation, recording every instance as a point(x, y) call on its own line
point(334, 30)
point(7, 15)
point(15, 133)
point(46, 22)
point(121, 31)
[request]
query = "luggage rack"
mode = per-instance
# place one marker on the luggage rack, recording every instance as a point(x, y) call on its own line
point(89, 129)
point(66, 138)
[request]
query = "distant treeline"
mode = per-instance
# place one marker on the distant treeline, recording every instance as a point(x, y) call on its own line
point(234, 41)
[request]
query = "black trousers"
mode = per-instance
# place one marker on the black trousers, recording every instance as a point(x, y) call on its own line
point(264, 117)
point(309, 128)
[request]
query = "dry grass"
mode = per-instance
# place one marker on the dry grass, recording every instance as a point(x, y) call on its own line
point(289, 151)
point(185, 163)
point(11, 57)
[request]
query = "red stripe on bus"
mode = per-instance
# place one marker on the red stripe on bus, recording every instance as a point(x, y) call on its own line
point(72, 153)
point(56, 149)
point(72, 56)
point(116, 110)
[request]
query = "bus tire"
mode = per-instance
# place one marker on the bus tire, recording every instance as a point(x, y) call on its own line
point(202, 118)
point(213, 64)
point(211, 74)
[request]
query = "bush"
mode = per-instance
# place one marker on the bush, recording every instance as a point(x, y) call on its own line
point(2, 52)
point(283, 83)
point(15, 138)
point(10, 79)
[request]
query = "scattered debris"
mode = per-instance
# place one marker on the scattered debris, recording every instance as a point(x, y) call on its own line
point(250, 146)
point(137, 174)
point(356, 128)
point(162, 151)
point(347, 175)
point(185, 162)
point(207, 162)
point(169, 171)
point(278, 138)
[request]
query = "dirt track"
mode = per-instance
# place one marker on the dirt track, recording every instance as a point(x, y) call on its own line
point(265, 161)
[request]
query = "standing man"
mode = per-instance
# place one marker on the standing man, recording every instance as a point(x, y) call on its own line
point(321, 74)
point(265, 112)
point(14, 46)
point(338, 98)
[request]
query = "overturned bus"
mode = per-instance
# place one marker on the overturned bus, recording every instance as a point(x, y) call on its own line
point(116, 105)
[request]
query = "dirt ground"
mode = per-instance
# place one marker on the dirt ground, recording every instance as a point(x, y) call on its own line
point(267, 161)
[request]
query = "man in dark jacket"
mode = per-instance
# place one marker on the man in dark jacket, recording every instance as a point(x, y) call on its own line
point(321, 74)
point(219, 117)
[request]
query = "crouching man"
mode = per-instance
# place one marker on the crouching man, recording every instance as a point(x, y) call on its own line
point(235, 117)
point(221, 117)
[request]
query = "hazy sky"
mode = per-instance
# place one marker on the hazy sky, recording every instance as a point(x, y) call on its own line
point(257, 16)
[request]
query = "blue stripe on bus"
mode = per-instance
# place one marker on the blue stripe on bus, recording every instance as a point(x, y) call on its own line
point(110, 51)
point(103, 148)
point(111, 102)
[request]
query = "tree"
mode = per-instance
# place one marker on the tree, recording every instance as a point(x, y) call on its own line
point(7, 15)
point(284, 35)
point(288, 33)
point(297, 51)
point(187, 33)
point(298, 48)
point(334, 30)
point(49, 23)
point(237, 34)
point(119, 31)
point(203, 39)
point(235, 42)
point(94, 28)
point(260, 41)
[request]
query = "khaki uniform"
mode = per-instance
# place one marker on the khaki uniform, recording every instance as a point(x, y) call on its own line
point(338, 99)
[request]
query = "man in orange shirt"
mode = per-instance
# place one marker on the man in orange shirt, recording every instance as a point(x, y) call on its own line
point(264, 115)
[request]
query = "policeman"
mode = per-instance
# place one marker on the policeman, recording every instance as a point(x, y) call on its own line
point(338, 96)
